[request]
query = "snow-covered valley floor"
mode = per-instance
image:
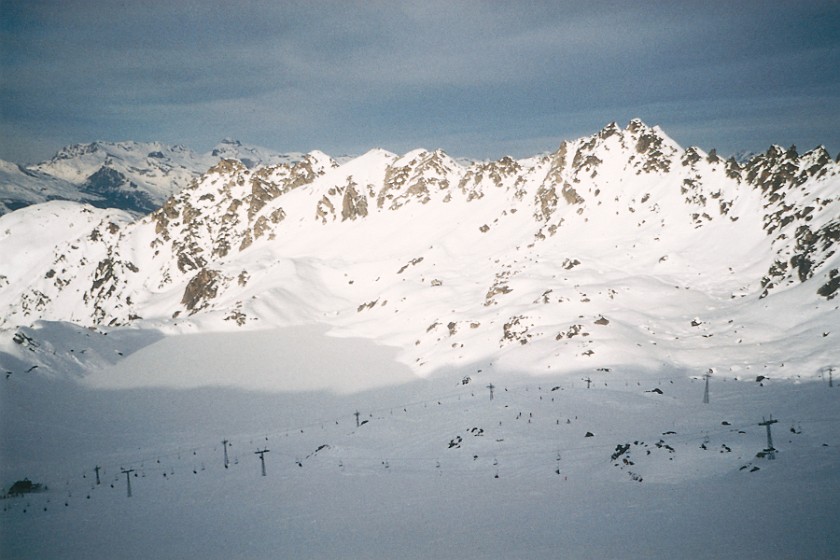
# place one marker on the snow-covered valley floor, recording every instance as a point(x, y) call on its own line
point(435, 469)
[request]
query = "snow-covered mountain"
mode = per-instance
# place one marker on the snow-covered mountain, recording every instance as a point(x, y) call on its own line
point(575, 354)
point(133, 176)
point(567, 258)
point(250, 156)
point(21, 187)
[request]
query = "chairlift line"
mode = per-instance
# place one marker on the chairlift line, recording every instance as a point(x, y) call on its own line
point(165, 469)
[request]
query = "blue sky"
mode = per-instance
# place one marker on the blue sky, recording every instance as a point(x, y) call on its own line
point(477, 79)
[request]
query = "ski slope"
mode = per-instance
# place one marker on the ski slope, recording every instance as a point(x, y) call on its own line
point(435, 468)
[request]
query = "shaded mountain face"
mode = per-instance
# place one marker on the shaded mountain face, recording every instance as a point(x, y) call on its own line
point(115, 190)
point(618, 247)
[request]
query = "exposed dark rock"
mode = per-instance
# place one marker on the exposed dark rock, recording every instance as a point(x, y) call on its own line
point(830, 288)
point(117, 191)
point(202, 288)
point(25, 486)
point(354, 203)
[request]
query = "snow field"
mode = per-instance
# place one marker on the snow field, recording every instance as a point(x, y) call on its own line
point(418, 477)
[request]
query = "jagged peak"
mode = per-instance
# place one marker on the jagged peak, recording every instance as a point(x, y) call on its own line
point(657, 150)
point(778, 155)
point(775, 151)
point(227, 165)
point(505, 160)
point(561, 149)
point(609, 130)
point(818, 154)
point(637, 133)
point(636, 125)
point(692, 155)
point(695, 153)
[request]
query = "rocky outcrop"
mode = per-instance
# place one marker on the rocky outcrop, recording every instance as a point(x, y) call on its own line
point(799, 212)
point(201, 290)
point(354, 204)
point(423, 176)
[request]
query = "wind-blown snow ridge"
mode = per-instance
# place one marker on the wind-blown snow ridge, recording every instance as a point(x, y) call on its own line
point(621, 247)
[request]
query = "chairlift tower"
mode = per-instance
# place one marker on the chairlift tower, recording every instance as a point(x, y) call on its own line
point(771, 451)
point(127, 473)
point(262, 453)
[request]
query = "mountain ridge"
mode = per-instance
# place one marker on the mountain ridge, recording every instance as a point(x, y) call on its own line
point(557, 256)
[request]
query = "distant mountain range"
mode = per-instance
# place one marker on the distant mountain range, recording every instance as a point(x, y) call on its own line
point(133, 176)
point(619, 247)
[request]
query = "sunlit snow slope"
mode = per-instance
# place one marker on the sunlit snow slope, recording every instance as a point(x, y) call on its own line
point(619, 248)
